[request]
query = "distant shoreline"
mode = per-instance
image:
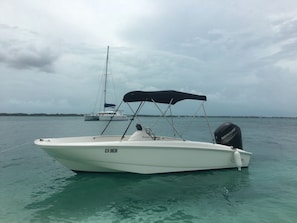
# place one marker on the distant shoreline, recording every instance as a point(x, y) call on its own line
point(143, 115)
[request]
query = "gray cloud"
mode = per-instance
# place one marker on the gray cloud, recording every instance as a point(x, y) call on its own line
point(26, 58)
point(26, 51)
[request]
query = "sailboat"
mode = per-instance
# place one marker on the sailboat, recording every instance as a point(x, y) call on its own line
point(109, 113)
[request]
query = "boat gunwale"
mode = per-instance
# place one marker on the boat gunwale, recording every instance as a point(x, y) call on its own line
point(151, 144)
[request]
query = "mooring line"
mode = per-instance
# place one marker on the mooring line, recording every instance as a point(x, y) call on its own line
point(15, 147)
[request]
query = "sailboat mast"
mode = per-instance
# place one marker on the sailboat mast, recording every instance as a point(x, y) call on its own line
point(105, 82)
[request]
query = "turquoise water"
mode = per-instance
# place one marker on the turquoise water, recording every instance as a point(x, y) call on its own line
point(36, 188)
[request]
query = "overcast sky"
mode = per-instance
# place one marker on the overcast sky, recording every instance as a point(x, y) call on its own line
point(241, 54)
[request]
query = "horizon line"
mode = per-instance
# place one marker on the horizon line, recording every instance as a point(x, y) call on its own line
point(143, 115)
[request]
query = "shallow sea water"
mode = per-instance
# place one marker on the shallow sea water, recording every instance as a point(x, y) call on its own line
point(36, 188)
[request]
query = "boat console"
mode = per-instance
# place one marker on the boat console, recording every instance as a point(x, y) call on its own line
point(141, 135)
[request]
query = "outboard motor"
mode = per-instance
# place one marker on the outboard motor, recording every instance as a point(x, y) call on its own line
point(228, 134)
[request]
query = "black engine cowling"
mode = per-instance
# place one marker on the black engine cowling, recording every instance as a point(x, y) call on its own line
point(229, 134)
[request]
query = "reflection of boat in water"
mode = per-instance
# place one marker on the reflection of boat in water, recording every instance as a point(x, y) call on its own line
point(122, 196)
point(109, 112)
point(147, 153)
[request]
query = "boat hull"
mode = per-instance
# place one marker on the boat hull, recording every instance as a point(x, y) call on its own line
point(106, 116)
point(91, 117)
point(163, 155)
point(113, 118)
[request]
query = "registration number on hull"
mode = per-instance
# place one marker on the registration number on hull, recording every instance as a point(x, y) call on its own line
point(113, 150)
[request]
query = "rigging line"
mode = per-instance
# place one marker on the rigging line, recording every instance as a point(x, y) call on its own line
point(15, 147)
point(110, 95)
point(140, 105)
point(112, 82)
point(211, 136)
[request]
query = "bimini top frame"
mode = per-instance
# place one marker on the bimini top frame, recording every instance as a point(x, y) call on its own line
point(169, 97)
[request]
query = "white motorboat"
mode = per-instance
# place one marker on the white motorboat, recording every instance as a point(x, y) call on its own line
point(112, 115)
point(108, 115)
point(109, 112)
point(146, 153)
